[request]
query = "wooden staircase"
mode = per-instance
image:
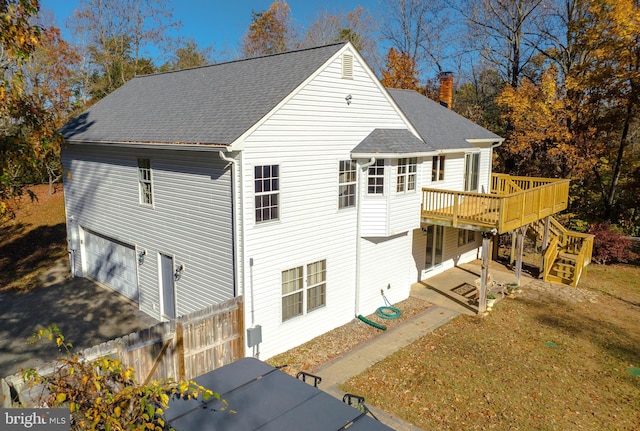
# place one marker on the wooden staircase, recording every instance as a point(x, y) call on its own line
point(567, 254)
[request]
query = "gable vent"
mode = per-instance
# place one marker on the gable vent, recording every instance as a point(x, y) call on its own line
point(347, 66)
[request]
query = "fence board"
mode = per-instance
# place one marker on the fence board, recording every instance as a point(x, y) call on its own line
point(197, 343)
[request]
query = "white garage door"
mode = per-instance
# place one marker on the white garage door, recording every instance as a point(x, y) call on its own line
point(112, 263)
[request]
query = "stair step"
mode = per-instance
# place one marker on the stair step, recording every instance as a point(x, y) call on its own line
point(561, 280)
point(567, 256)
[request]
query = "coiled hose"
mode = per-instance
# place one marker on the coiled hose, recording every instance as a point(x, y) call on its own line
point(388, 312)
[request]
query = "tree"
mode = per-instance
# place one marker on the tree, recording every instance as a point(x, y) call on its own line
point(357, 27)
point(22, 122)
point(49, 78)
point(270, 31)
point(103, 393)
point(400, 71)
point(116, 33)
point(540, 143)
point(502, 31)
point(609, 111)
point(420, 30)
point(187, 55)
point(476, 99)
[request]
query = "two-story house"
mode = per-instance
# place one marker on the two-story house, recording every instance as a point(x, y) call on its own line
point(294, 180)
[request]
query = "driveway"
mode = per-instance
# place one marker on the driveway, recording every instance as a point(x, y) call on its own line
point(86, 313)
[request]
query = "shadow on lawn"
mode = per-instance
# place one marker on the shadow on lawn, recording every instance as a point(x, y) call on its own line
point(21, 254)
point(617, 340)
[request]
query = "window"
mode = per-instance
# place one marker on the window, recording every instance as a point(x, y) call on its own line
point(406, 175)
point(267, 188)
point(144, 181)
point(471, 172)
point(376, 178)
point(347, 184)
point(465, 237)
point(294, 293)
point(437, 168)
point(316, 284)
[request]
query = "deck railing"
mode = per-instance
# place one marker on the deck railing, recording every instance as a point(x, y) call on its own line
point(514, 202)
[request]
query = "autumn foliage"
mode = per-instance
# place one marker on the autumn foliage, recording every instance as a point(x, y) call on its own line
point(400, 71)
point(102, 394)
point(269, 31)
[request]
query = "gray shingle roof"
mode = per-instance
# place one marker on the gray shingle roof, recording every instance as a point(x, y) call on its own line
point(391, 141)
point(439, 127)
point(206, 105)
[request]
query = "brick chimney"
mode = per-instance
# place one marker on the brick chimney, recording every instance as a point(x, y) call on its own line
point(446, 89)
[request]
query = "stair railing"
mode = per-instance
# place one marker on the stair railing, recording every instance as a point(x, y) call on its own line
point(550, 256)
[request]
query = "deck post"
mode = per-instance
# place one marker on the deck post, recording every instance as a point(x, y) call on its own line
point(519, 252)
point(482, 300)
point(545, 242)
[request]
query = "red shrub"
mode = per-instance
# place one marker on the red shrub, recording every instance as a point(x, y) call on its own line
point(609, 245)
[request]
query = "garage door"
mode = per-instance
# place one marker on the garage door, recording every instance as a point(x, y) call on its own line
point(112, 263)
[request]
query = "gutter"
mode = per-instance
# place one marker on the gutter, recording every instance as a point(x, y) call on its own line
point(359, 230)
point(152, 146)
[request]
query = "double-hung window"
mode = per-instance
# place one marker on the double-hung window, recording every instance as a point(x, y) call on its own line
point(437, 168)
point(406, 179)
point(375, 178)
point(347, 184)
point(465, 237)
point(304, 289)
point(267, 192)
point(145, 185)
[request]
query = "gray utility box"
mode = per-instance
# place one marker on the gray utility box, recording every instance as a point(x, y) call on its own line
point(254, 336)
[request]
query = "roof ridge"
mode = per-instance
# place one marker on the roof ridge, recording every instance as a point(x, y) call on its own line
point(241, 60)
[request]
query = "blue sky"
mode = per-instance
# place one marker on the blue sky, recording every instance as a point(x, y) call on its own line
point(221, 23)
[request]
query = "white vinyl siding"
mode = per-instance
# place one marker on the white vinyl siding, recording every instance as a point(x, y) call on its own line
point(190, 220)
point(307, 137)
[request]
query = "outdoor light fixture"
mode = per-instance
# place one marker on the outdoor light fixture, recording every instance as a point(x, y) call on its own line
point(179, 271)
point(141, 256)
point(348, 99)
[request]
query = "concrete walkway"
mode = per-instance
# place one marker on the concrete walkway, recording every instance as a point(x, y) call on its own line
point(442, 311)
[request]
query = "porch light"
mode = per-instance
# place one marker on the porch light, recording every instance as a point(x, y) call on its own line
point(141, 256)
point(348, 99)
point(179, 271)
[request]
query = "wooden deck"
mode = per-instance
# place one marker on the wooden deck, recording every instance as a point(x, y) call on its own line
point(512, 203)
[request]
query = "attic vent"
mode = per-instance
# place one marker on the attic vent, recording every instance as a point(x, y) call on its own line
point(347, 66)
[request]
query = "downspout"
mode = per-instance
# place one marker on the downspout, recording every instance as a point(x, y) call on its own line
point(358, 230)
point(236, 220)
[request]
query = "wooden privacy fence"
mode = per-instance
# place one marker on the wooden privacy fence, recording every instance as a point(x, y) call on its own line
point(181, 349)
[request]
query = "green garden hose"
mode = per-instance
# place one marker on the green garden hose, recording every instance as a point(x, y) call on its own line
point(372, 323)
point(388, 312)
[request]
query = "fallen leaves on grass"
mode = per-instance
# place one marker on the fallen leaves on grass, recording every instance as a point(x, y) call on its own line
point(501, 372)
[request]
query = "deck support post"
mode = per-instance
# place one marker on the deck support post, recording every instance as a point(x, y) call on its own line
point(519, 251)
point(545, 242)
point(486, 249)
